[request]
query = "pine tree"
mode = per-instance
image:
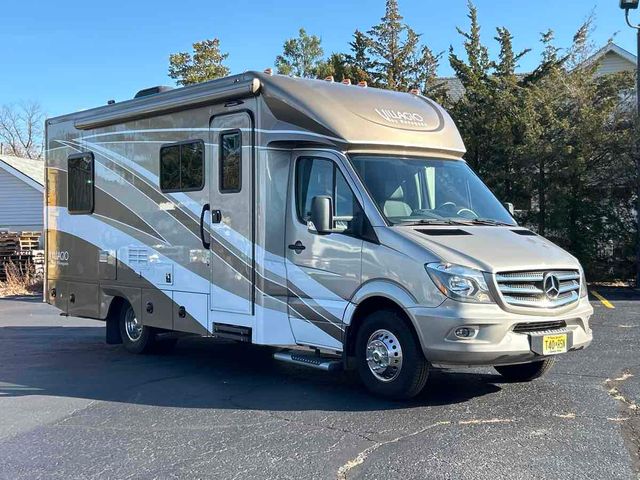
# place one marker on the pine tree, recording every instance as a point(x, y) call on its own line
point(206, 62)
point(301, 56)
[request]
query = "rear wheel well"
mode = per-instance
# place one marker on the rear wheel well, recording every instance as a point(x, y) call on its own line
point(368, 306)
point(113, 320)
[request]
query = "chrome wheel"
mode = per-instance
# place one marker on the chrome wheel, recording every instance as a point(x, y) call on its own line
point(132, 326)
point(384, 355)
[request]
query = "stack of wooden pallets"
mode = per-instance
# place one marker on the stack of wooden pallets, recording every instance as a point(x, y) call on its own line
point(21, 250)
point(29, 241)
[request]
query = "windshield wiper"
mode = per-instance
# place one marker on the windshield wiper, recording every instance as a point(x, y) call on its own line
point(489, 221)
point(429, 221)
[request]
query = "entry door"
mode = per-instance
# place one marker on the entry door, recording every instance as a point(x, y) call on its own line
point(323, 271)
point(232, 224)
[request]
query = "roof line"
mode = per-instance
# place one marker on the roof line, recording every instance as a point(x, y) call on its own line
point(25, 178)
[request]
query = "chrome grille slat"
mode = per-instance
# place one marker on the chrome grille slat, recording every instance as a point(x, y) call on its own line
point(527, 289)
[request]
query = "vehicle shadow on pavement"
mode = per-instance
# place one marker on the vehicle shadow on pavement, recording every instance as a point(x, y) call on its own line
point(200, 373)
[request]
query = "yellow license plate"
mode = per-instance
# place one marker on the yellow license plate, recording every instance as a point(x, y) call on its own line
point(552, 344)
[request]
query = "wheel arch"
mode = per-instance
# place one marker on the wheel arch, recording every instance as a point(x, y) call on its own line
point(372, 297)
point(113, 299)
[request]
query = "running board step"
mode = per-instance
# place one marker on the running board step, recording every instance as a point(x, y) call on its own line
point(310, 360)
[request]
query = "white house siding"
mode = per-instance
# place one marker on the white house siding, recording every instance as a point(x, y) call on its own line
point(613, 63)
point(21, 205)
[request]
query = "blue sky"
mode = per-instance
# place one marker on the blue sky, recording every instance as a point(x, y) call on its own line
point(71, 55)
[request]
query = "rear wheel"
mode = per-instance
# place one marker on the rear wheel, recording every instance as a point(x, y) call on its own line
point(390, 361)
point(526, 372)
point(137, 338)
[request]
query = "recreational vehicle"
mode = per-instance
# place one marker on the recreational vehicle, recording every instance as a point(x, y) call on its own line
point(334, 222)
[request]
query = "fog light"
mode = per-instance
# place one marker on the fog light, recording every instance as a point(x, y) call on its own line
point(465, 332)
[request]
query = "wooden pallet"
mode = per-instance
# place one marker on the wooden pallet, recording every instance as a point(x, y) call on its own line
point(29, 240)
point(9, 243)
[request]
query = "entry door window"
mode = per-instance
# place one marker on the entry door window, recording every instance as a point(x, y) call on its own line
point(319, 176)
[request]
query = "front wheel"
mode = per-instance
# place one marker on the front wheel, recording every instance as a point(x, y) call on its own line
point(525, 372)
point(389, 358)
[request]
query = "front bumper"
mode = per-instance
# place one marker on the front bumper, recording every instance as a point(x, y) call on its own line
point(495, 342)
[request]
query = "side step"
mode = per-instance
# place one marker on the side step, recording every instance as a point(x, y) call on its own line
point(309, 360)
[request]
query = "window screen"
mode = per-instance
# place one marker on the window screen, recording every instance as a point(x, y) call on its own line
point(231, 162)
point(80, 183)
point(182, 166)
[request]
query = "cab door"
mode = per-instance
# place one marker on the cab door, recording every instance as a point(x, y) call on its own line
point(323, 271)
point(232, 216)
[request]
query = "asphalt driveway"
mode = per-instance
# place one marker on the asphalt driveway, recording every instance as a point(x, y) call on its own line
point(73, 407)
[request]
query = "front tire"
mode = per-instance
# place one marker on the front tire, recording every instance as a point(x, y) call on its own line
point(389, 358)
point(136, 338)
point(526, 372)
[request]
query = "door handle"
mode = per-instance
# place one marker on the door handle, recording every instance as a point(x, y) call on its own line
point(205, 244)
point(297, 247)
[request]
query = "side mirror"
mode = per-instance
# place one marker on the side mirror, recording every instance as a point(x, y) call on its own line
point(322, 214)
point(509, 207)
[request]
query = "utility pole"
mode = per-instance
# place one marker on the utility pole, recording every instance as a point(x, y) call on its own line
point(627, 5)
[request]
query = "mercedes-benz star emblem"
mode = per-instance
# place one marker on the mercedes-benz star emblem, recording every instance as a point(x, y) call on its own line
point(551, 286)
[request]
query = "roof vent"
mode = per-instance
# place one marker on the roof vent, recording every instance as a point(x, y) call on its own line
point(152, 91)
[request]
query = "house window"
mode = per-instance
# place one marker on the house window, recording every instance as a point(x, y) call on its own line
point(182, 166)
point(231, 162)
point(80, 184)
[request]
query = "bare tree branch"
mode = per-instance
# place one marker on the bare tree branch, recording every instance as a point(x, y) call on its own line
point(21, 129)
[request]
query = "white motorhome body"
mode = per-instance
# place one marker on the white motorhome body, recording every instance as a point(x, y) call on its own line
point(189, 210)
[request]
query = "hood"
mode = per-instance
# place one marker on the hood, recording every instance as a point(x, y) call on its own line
point(490, 248)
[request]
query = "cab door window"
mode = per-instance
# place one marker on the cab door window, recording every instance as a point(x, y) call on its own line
point(319, 176)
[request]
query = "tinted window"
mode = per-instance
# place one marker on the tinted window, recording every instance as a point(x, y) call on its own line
point(182, 167)
point(80, 183)
point(230, 162)
point(317, 176)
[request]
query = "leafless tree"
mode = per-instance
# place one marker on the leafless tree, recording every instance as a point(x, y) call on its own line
point(21, 129)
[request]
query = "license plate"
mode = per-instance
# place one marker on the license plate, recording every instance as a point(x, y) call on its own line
point(553, 344)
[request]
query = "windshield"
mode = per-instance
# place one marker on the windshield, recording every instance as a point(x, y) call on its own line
point(421, 190)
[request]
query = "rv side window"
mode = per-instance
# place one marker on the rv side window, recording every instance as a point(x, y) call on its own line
point(182, 166)
point(231, 162)
point(80, 184)
point(318, 176)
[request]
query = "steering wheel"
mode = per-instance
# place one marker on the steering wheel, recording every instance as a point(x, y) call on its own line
point(459, 213)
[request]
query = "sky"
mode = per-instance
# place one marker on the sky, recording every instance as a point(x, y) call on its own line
point(70, 55)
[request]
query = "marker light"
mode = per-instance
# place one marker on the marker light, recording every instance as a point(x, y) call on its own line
point(346, 81)
point(414, 91)
point(268, 71)
point(362, 84)
point(329, 78)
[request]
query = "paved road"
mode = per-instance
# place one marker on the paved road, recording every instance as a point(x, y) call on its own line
point(73, 407)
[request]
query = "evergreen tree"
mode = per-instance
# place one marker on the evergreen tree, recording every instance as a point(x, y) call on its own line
point(206, 62)
point(301, 56)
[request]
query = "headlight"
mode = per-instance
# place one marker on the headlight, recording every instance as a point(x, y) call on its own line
point(459, 283)
point(583, 283)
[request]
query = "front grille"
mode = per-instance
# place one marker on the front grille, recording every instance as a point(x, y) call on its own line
point(535, 289)
point(539, 326)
